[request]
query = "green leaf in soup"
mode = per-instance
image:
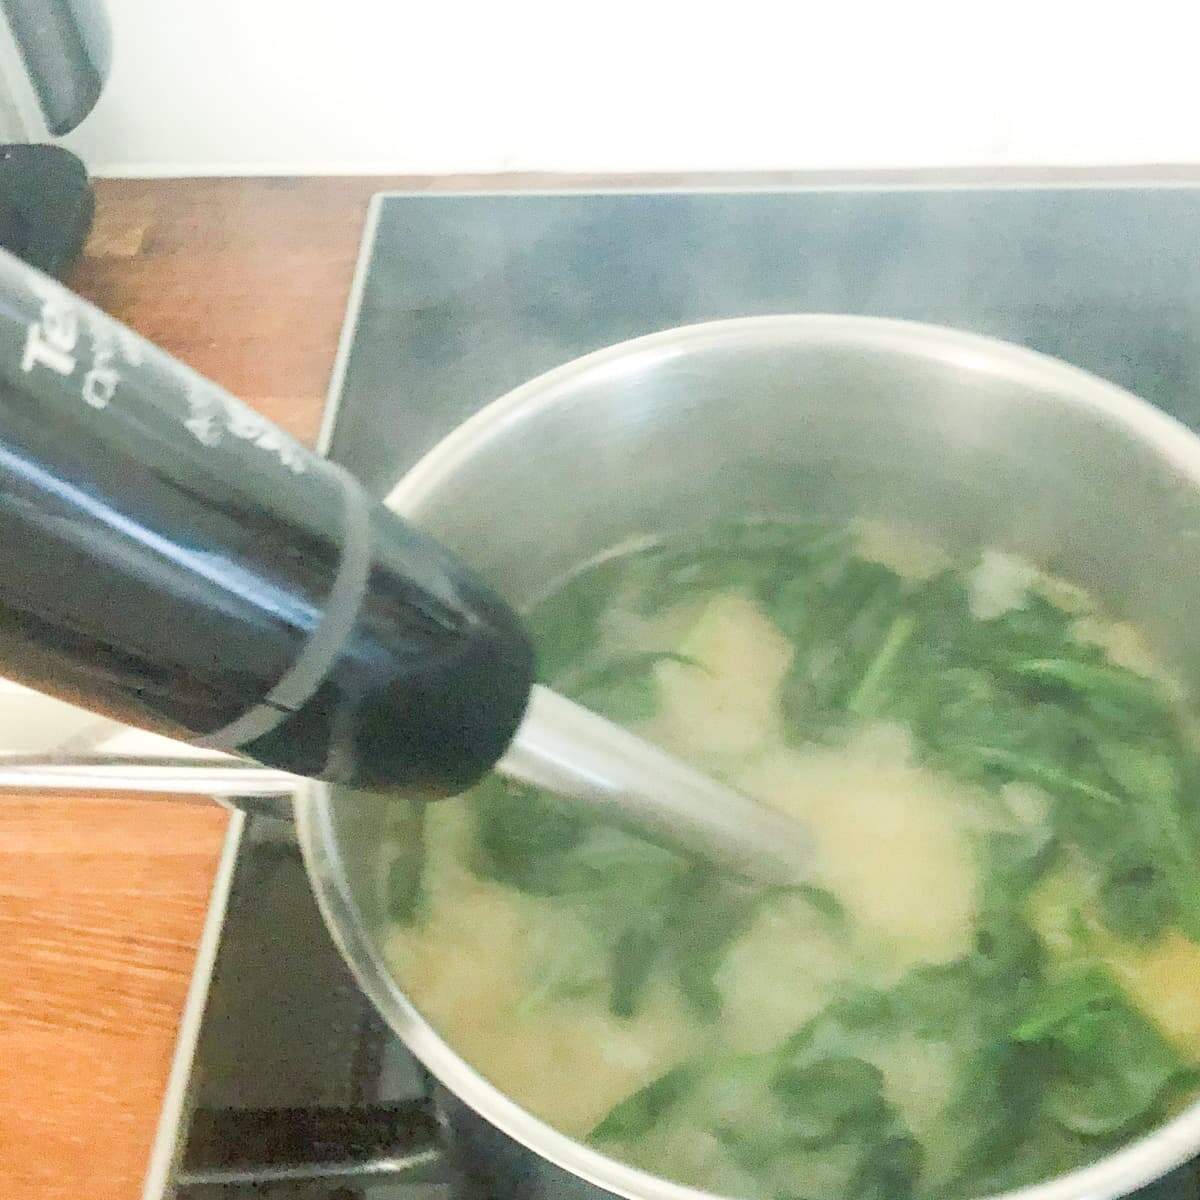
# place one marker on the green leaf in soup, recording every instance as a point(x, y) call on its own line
point(851, 592)
point(696, 979)
point(1015, 860)
point(619, 879)
point(1084, 810)
point(750, 556)
point(1064, 1011)
point(1008, 957)
point(825, 1097)
point(532, 842)
point(995, 1108)
point(1012, 764)
point(520, 832)
point(788, 604)
point(846, 626)
point(821, 901)
point(630, 700)
point(1135, 897)
point(1104, 1102)
point(815, 1096)
point(1041, 1152)
point(634, 954)
point(1150, 775)
point(792, 595)
point(890, 1170)
point(828, 1172)
point(565, 625)
point(870, 694)
point(404, 882)
point(764, 1108)
point(1177, 861)
point(955, 712)
point(968, 722)
point(936, 1001)
point(859, 613)
point(735, 1103)
point(812, 542)
point(1038, 629)
point(864, 1008)
point(1111, 1067)
point(1117, 689)
point(687, 578)
point(648, 937)
point(707, 917)
point(1144, 772)
point(659, 910)
point(638, 1113)
point(624, 689)
point(567, 967)
point(942, 627)
point(403, 890)
point(1096, 829)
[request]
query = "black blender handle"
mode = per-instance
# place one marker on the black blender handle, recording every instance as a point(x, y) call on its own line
point(170, 558)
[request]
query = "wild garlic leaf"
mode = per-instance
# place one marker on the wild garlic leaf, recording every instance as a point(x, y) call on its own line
point(638, 1113)
point(1110, 1067)
point(624, 689)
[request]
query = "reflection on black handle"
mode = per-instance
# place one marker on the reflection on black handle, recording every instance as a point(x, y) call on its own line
point(174, 560)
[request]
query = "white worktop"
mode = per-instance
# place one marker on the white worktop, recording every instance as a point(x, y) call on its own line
point(308, 86)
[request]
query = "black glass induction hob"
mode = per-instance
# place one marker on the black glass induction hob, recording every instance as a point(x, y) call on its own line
point(285, 1084)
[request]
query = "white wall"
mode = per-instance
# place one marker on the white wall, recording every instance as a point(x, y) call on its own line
point(226, 86)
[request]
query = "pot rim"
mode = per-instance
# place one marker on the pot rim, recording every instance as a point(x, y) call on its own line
point(1134, 1165)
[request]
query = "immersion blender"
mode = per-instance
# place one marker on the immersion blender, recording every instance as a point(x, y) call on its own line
point(170, 558)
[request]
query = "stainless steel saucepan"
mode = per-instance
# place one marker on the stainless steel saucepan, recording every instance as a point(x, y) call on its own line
point(965, 440)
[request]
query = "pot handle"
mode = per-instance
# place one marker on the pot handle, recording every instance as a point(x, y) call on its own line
point(232, 782)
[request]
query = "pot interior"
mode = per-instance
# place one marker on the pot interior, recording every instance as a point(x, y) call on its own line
point(964, 441)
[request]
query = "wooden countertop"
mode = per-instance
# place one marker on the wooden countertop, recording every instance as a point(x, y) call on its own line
point(102, 899)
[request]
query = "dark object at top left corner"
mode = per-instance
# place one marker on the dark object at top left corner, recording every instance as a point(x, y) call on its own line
point(46, 206)
point(46, 200)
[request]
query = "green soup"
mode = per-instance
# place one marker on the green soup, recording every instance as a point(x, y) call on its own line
point(993, 975)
